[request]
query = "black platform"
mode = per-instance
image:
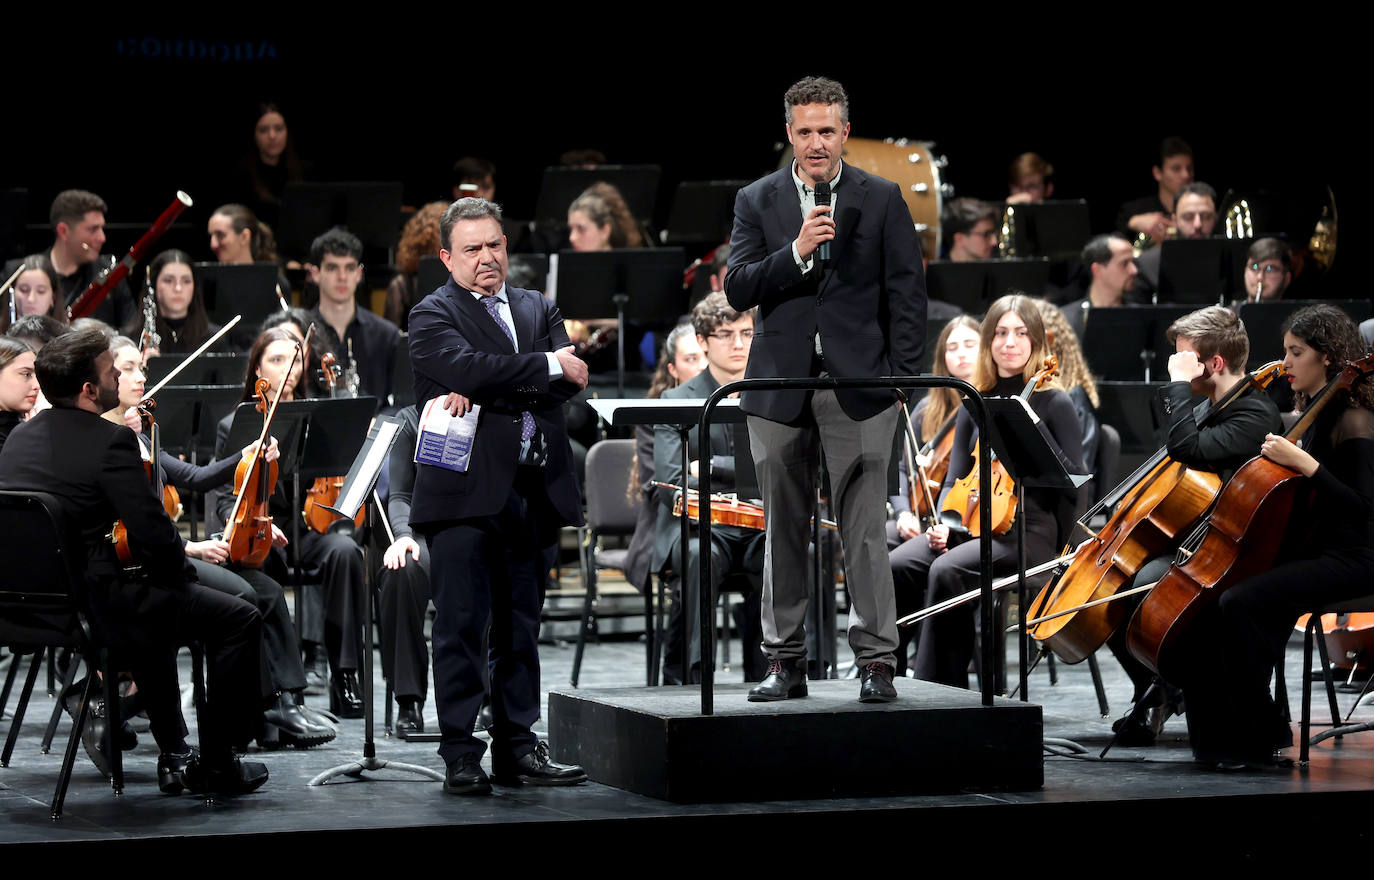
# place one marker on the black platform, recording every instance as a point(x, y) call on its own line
point(655, 742)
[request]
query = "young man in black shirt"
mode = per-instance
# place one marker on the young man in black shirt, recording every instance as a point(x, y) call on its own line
point(364, 343)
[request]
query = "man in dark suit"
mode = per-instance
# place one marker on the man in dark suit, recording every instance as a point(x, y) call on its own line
point(477, 341)
point(94, 469)
point(725, 335)
point(830, 257)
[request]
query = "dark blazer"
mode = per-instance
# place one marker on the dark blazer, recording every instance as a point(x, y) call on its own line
point(456, 346)
point(668, 463)
point(94, 469)
point(868, 303)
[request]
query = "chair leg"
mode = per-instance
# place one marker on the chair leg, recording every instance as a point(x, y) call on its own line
point(64, 777)
point(73, 664)
point(650, 642)
point(588, 612)
point(1326, 679)
point(22, 706)
point(1097, 684)
point(52, 671)
point(112, 723)
point(9, 682)
point(1305, 728)
point(657, 670)
point(1054, 670)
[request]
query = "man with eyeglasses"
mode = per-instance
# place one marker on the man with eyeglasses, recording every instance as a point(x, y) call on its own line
point(970, 227)
point(1195, 216)
point(1268, 270)
point(725, 335)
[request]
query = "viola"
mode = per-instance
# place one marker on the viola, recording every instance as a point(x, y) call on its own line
point(324, 492)
point(1240, 539)
point(1156, 507)
point(248, 531)
point(964, 499)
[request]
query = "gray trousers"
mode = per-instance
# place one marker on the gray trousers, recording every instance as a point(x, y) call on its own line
point(856, 455)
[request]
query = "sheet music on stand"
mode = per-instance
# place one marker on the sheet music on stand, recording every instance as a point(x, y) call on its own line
point(367, 466)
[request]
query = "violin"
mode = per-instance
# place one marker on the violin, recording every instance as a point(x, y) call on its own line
point(171, 501)
point(248, 531)
point(926, 467)
point(964, 501)
point(727, 510)
point(1240, 539)
point(1156, 506)
point(324, 492)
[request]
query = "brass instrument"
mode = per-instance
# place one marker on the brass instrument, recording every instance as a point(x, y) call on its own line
point(1238, 221)
point(1006, 243)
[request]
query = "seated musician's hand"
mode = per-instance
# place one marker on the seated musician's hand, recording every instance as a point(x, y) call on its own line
point(574, 369)
point(1153, 223)
point(908, 526)
point(211, 551)
point(279, 538)
point(1283, 451)
point(133, 419)
point(456, 404)
point(1184, 367)
point(938, 536)
point(395, 556)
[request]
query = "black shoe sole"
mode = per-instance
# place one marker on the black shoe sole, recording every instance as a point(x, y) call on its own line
point(538, 780)
point(474, 788)
point(794, 693)
point(877, 698)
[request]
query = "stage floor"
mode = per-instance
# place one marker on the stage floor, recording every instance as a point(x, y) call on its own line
point(388, 808)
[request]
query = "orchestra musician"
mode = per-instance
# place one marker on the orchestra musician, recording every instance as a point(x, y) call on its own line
point(1151, 215)
point(505, 349)
point(283, 675)
point(1232, 721)
point(35, 292)
point(725, 335)
point(18, 385)
point(180, 319)
point(841, 292)
point(1195, 216)
point(971, 228)
point(1013, 348)
point(364, 344)
point(78, 223)
point(337, 556)
point(956, 355)
point(94, 469)
point(1211, 350)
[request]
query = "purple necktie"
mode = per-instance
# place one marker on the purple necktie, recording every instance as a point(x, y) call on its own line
point(526, 420)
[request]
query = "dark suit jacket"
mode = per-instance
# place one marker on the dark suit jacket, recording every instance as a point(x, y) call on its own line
point(456, 346)
point(668, 463)
point(94, 469)
point(869, 304)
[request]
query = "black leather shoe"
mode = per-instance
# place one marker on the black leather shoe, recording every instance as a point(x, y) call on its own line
point(230, 778)
point(286, 725)
point(1131, 731)
point(409, 718)
point(876, 684)
point(345, 697)
point(466, 776)
point(484, 716)
point(786, 680)
point(171, 770)
point(536, 769)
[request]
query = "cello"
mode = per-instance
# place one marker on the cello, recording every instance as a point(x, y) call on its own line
point(1156, 507)
point(963, 499)
point(248, 530)
point(1241, 538)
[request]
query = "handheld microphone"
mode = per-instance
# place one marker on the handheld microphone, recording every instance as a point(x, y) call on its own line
point(823, 198)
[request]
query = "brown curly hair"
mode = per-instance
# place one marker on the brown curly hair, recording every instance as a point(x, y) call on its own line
point(1331, 332)
point(419, 238)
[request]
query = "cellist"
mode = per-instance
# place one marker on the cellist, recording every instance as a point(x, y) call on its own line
point(1232, 647)
point(1013, 346)
point(1211, 349)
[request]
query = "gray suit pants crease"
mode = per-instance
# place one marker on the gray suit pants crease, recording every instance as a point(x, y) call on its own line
point(856, 456)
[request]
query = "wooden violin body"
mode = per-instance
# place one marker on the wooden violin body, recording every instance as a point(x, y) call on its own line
point(1160, 510)
point(725, 511)
point(249, 529)
point(965, 499)
point(325, 490)
point(934, 472)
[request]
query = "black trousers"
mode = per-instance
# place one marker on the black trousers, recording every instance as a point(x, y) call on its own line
point(734, 550)
point(490, 567)
point(340, 562)
point(281, 666)
point(405, 594)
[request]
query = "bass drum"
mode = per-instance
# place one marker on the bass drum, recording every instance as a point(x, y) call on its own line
point(913, 167)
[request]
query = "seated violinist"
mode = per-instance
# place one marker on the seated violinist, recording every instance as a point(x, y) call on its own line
point(283, 681)
point(1013, 348)
point(337, 556)
point(95, 471)
point(725, 335)
point(1211, 351)
point(932, 423)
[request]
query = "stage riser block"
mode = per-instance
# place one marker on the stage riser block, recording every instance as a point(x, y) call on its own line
point(654, 742)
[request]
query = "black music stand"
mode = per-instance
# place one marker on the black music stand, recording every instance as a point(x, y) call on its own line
point(187, 413)
point(1055, 229)
point(644, 284)
point(361, 483)
point(249, 290)
point(1264, 323)
point(1128, 343)
point(1202, 271)
point(638, 185)
point(211, 368)
point(703, 211)
point(402, 375)
point(370, 209)
point(972, 286)
point(1032, 458)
